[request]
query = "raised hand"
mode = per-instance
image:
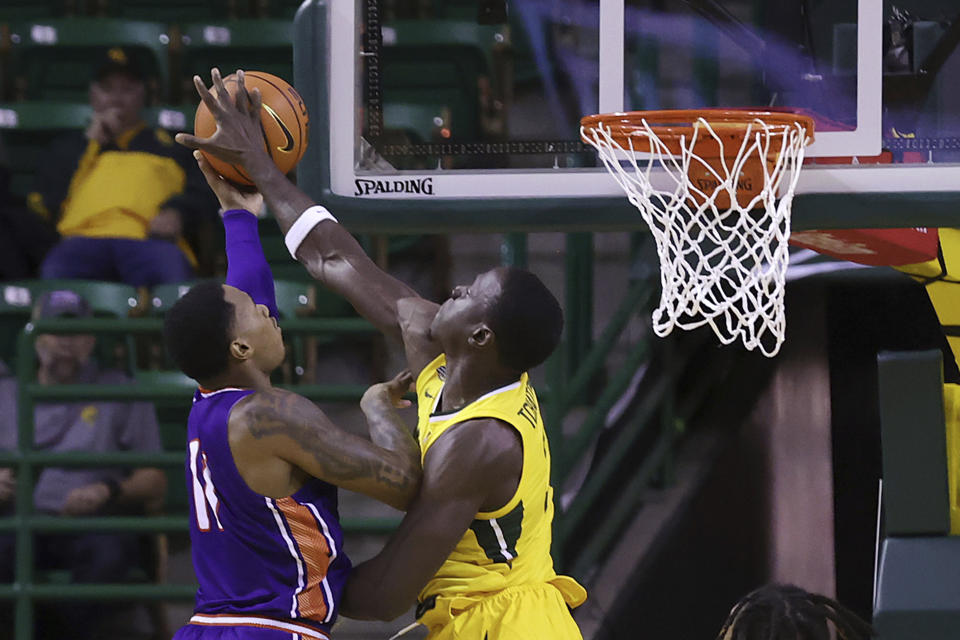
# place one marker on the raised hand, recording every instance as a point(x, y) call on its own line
point(239, 136)
point(104, 126)
point(229, 196)
point(388, 393)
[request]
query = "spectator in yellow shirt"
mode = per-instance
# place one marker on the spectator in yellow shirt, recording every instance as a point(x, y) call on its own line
point(122, 195)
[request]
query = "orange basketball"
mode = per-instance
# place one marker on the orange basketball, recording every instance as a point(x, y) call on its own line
point(284, 122)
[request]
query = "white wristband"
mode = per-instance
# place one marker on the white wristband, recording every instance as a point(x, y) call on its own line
point(304, 225)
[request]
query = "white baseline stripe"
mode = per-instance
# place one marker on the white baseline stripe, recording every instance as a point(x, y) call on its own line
point(293, 552)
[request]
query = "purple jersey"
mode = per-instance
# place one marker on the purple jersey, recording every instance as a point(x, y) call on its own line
point(259, 561)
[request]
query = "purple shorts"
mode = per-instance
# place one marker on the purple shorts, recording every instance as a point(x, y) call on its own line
point(246, 627)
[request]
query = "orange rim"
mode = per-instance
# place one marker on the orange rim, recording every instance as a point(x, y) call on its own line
point(670, 126)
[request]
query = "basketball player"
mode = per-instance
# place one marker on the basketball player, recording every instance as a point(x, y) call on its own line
point(263, 464)
point(475, 543)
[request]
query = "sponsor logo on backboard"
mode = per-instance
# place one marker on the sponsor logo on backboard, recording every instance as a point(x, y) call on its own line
point(406, 186)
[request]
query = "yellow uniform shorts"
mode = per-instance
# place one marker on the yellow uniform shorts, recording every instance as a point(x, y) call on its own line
point(527, 612)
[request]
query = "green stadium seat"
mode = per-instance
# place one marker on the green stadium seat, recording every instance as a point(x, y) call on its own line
point(294, 299)
point(418, 122)
point(283, 9)
point(112, 299)
point(34, 9)
point(163, 296)
point(15, 307)
point(173, 11)
point(28, 127)
point(261, 45)
point(154, 377)
point(438, 64)
point(105, 298)
point(55, 59)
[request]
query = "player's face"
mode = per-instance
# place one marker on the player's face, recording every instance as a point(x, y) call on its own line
point(253, 323)
point(120, 93)
point(466, 309)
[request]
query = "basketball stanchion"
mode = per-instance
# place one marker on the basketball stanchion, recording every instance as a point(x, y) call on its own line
point(715, 187)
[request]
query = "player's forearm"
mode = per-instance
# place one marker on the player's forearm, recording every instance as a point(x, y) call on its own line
point(284, 199)
point(247, 267)
point(385, 586)
point(331, 254)
point(388, 431)
point(146, 486)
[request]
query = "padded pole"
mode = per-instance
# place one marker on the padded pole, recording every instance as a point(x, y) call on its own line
point(513, 250)
point(915, 482)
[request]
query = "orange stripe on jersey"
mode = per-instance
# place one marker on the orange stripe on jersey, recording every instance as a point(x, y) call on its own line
point(315, 553)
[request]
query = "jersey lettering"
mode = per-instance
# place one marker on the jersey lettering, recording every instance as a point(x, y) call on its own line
point(529, 410)
point(204, 494)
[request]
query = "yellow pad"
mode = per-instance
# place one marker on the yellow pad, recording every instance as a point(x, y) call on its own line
point(516, 613)
point(951, 408)
point(942, 279)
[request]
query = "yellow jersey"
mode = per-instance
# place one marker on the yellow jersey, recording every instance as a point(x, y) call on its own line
point(508, 547)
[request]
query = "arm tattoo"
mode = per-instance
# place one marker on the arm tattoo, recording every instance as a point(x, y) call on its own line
point(281, 413)
point(388, 431)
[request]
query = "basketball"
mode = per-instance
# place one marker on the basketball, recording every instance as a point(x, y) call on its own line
point(283, 119)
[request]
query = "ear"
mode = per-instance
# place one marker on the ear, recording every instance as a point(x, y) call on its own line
point(241, 349)
point(482, 336)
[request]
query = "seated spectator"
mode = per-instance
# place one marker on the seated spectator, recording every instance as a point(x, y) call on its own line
point(785, 612)
point(122, 195)
point(79, 426)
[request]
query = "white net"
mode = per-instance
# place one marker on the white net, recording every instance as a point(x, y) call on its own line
point(723, 258)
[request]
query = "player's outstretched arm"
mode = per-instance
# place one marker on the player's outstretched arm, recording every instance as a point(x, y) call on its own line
point(285, 425)
point(328, 251)
point(247, 267)
point(462, 470)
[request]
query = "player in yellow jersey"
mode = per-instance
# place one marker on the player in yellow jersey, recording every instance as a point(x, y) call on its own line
point(474, 547)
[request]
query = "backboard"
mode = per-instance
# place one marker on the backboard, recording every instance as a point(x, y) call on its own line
point(474, 106)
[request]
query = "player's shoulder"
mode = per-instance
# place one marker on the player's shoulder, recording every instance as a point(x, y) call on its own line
point(272, 410)
point(482, 444)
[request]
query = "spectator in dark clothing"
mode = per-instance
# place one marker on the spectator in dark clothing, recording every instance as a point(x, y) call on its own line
point(93, 426)
point(123, 196)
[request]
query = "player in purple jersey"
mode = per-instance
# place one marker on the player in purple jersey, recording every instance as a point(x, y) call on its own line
point(263, 464)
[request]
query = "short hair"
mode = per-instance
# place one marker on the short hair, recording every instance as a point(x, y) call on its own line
point(198, 330)
point(786, 612)
point(526, 319)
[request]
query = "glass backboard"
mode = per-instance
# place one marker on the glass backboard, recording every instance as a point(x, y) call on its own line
point(481, 99)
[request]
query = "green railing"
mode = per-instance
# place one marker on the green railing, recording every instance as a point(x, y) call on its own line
point(25, 522)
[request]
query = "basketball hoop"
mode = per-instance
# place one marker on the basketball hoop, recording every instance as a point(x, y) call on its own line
point(720, 215)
